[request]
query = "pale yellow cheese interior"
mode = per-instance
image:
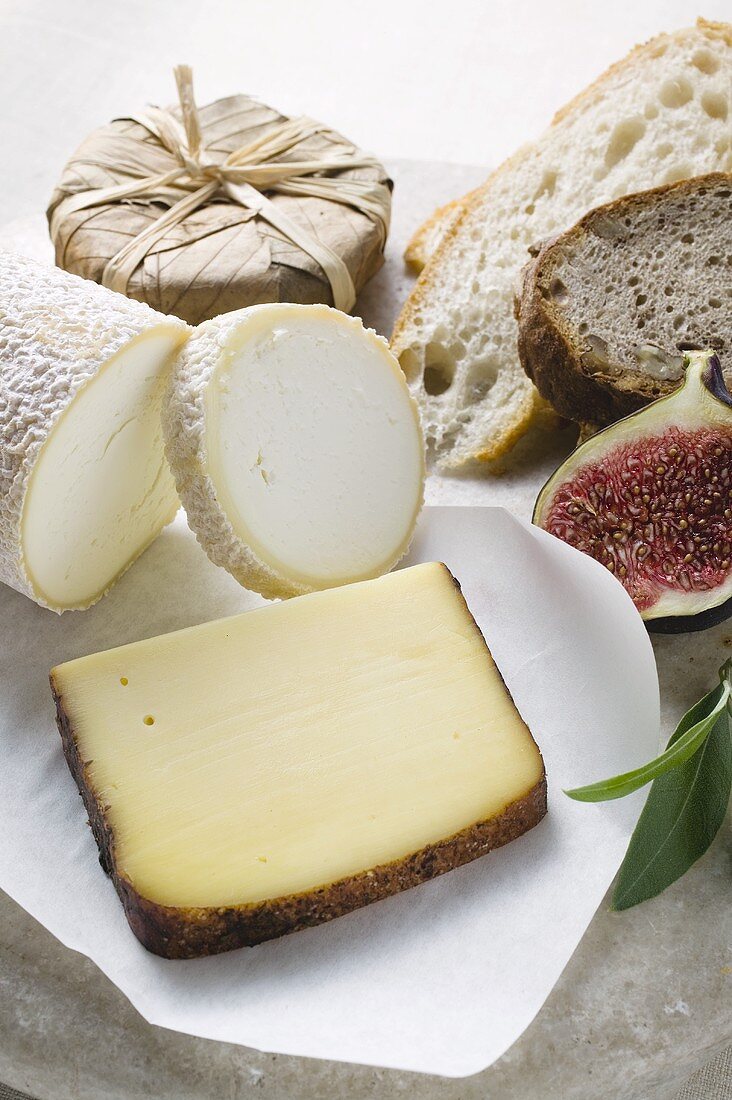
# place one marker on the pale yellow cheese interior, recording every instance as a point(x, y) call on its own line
point(289, 747)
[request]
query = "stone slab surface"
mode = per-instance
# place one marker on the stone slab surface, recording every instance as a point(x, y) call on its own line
point(643, 1003)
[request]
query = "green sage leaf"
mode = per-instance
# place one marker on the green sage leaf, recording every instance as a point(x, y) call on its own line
point(689, 736)
point(683, 813)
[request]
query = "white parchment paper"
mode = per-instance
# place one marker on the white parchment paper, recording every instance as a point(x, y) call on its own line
point(441, 979)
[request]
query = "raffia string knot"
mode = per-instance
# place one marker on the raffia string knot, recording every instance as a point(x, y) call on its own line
point(242, 177)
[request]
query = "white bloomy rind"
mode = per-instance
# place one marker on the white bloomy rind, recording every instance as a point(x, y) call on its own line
point(84, 487)
point(296, 448)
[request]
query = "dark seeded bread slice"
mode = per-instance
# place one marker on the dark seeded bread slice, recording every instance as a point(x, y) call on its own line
point(607, 308)
point(660, 115)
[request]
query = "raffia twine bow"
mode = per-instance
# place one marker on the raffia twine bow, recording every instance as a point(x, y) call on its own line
point(242, 177)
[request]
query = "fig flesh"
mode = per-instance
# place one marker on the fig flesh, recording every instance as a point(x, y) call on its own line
point(650, 498)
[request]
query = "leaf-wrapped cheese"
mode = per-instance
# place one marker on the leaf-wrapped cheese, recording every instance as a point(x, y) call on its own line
point(227, 248)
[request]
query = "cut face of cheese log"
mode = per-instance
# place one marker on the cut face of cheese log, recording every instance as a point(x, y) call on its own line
point(296, 448)
point(270, 771)
point(84, 485)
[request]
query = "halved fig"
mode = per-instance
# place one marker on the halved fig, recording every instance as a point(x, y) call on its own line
point(650, 498)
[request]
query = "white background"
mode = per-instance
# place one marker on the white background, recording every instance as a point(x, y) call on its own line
point(460, 80)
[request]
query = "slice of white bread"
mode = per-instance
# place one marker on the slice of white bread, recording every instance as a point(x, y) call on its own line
point(430, 233)
point(608, 308)
point(660, 115)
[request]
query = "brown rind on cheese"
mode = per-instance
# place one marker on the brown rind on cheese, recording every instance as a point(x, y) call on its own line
point(184, 933)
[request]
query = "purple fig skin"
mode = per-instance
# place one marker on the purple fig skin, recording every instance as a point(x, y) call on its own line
point(555, 509)
point(690, 624)
point(713, 379)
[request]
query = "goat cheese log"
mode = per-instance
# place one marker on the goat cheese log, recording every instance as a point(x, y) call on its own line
point(84, 485)
point(296, 448)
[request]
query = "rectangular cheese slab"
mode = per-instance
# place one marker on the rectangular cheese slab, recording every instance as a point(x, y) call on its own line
point(259, 774)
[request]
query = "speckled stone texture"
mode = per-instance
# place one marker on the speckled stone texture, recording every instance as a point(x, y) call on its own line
point(642, 1004)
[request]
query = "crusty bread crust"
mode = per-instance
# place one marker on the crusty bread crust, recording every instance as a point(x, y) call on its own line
point(549, 359)
point(535, 412)
point(418, 252)
point(465, 207)
point(419, 249)
point(549, 348)
point(532, 408)
point(643, 50)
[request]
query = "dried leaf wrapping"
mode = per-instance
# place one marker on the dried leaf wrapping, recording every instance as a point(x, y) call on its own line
point(222, 256)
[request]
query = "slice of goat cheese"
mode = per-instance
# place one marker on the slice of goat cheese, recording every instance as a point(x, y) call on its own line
point(296, 448)
point(84, 485)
